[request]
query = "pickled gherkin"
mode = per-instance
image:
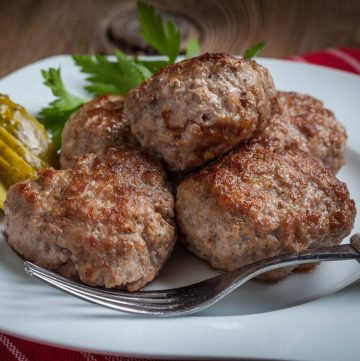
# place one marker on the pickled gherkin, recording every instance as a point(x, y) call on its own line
point(23, 152)
point(25, 146)
point(13, 169)
point(19, 123)
point(2, 193)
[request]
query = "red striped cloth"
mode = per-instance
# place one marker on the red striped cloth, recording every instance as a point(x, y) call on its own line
point(15, 349)
point(340, 58)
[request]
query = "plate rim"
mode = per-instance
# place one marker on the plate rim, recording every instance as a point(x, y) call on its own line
point(99, 351)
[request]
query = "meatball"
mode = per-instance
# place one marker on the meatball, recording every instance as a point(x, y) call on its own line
point(108, 221)
point(98, 125)
point(259, 202)
point(195, 110)
point(302, 120)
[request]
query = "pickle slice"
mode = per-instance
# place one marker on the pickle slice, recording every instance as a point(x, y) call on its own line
point(25, 146)
point(19, 123)
point(13, 168)
point(21, 150)
point(2, 194)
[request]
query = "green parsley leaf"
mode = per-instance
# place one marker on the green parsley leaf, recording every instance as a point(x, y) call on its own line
point(153, 65)
point(254, 50)
point(192, 49)
point(58, 111)
point(54, 121)
point(111, 77)
point(163, 37)
point(145, 71)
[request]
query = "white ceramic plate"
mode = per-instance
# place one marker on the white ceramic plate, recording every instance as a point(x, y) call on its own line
point(292, 320)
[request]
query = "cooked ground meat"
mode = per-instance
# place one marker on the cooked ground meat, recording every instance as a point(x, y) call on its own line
point(302, 120)
point(195, 110)
point(98, 125)
point(259, 202)
point(107, 221)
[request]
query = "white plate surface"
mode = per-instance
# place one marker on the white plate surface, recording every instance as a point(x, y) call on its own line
point(292, 320)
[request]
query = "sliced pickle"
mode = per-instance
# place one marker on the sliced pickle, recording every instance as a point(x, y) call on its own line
point(2, 194)
point(21, 150)
point(25, 146)
point(19, 123)
point(13, 168)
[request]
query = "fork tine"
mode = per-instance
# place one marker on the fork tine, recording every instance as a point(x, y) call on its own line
point(192, 298)
point(114, 297)
point(119, 304)
point(166, 296)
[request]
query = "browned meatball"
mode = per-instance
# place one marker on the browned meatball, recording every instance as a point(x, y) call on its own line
point(98, 125)
point(195, 110)
point(304, 122)
point(259, 202)
point(107, 221)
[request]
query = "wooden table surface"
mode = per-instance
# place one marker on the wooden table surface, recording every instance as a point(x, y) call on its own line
point(35, 29)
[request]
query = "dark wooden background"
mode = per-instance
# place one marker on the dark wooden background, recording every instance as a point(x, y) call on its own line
point(35, 29)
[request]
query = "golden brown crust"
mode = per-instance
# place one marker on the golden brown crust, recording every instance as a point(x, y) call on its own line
point(302, 121)
point(188, 67)
point(197, 109)
point(108, 220)
point(99, 124)
point(260, 169)
point(259, 201)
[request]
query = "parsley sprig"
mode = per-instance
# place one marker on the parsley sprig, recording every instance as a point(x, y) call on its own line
point(161, 35)
point(254, 50)
point(192, 49)
point(119, 74)
point(55, 115)
point(106, 76)
point(113, 75)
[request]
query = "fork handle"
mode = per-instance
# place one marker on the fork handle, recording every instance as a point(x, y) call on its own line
point(234, 279)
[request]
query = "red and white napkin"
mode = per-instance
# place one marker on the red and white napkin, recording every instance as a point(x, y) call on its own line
point(339, 58)
point(16, 349)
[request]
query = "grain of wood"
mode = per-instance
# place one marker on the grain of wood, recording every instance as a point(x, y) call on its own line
point(35, 29)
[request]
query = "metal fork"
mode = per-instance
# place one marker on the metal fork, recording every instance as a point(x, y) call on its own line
point(193, 298)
